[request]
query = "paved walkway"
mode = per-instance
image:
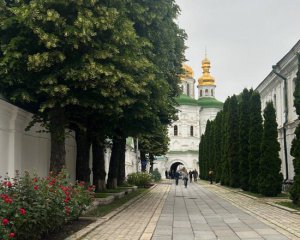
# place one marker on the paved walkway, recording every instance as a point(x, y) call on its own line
point(198, 212)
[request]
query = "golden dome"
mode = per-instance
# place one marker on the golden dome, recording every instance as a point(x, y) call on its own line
point(188, 72)
point(206, 79)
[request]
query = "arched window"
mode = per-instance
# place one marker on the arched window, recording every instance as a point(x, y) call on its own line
point(188, 89)
point(206, 92)
point(192, 131)
point(200, 93)
point(212, 92)
point(175, 130)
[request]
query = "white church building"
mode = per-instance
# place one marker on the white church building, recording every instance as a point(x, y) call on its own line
point(193, 114)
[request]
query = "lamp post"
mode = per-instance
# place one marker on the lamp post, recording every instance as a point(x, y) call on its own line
point(274, 67)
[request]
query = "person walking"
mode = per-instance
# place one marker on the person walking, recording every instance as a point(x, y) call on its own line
point(210, 175)
point(195, 175)
point(184, 174)
point(191, 175)
point(176, 176)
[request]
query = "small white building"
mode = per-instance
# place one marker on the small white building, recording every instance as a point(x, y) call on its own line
point(193, 114)
point(279, 87)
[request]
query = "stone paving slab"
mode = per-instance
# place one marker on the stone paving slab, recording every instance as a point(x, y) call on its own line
point(200, 212)
point(283, 221)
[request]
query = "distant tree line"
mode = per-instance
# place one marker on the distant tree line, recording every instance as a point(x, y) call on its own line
point(104, 69)
point(241, 147)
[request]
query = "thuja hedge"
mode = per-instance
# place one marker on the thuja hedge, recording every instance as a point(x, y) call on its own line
point(30, 206)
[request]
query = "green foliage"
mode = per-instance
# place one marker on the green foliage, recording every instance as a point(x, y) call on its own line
point(225, 177)
point(244, 119)
point(201, 156)
point(255, 136)
point(233, 142)
point(140, 179)
point(270, 177)
point(156, 176)
point(218, 147)
point(33, 206)
point(295, 150)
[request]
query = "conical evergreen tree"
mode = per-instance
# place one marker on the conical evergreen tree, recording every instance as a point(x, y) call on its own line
point(255, 136)
point(270, 177)
point(233, 144)
point(212, 146)
point(225, 179)
point(295, 150)
point(244, 119)
point(201, 158)
point(206, 150)
point(218, 146)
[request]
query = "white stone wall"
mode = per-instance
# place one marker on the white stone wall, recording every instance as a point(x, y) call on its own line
point(206, 114)
point(272, 89)
point(189, 91)
point(27, 150)
point(30, 150)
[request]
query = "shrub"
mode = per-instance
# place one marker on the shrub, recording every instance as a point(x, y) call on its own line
point(31, 206)
point(140, 179)
point(156, 176)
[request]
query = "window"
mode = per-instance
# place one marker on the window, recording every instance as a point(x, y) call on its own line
point(192, 131)
point(188, 89)
point(200, 93)
point(212, 92)
point(175, 130)
point(206, 92)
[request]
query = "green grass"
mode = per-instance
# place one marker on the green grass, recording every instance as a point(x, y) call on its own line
point(281, 195)
point(101, 195)
point(289, 205)
point(102, 210)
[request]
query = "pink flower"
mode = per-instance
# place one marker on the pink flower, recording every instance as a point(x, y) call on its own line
point(36, 187)
point(12, 235)
point(22, 211)
point(5, 221)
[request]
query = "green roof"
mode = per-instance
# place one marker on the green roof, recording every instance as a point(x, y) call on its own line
point(205, 102)
point(208, 102)
point(186, 100)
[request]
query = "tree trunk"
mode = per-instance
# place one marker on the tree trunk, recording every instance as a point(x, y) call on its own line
point(122, 171)
point(83, 143)
point(151, 162)
point(112, 180)
point(143, 161)
point(99, 173)
point(57, 130)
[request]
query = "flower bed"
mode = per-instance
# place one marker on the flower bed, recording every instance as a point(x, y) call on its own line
point(30, 206)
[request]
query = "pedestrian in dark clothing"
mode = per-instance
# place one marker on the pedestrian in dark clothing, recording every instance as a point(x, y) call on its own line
point(210, 175)
point(176, 175)
point(167, 174)
point(195, 174)
point(191, 175)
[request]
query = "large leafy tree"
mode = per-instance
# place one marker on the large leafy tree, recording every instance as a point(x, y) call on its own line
point(60, 54)
point(295, 150)
point(255, 137)
point(244, 119)
point(270, 177)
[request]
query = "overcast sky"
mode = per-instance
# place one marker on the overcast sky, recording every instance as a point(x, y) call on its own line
point(243, 38)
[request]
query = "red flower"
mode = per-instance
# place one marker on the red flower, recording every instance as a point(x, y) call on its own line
point(67, 210)
point(12, 235)
point(22, 211)
point(36, 187)
point(35, 179)
point(5, 221)
point(7, 184)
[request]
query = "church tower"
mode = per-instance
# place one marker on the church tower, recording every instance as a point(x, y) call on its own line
point(187, 81)
point(206, 83)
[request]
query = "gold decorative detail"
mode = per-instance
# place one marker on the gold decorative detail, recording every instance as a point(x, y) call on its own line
point(206, 79)
point(188, 72)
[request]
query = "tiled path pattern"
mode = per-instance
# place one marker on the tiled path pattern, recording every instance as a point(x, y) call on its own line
point(138, 221)
point(283, 221)
point(205, 211)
